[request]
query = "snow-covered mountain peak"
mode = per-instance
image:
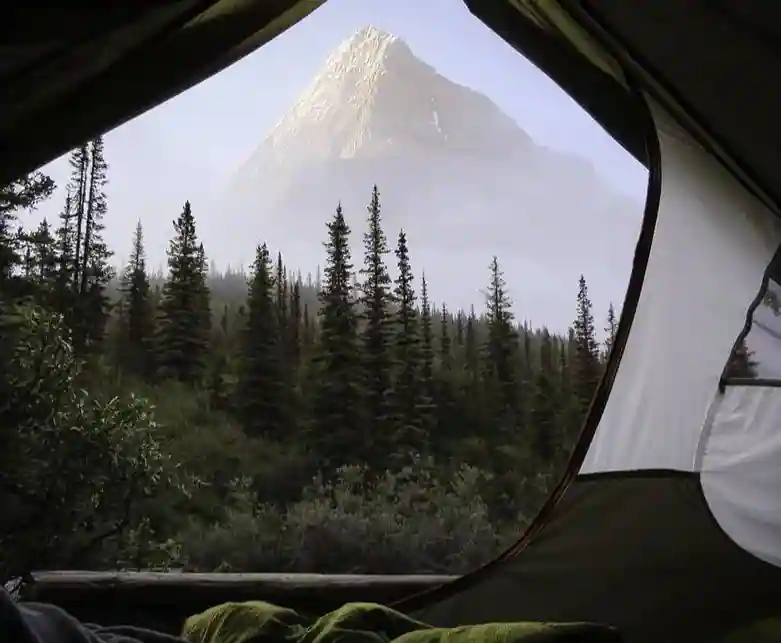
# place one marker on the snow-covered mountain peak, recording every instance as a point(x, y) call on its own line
point(367, 48)
point(374, 96)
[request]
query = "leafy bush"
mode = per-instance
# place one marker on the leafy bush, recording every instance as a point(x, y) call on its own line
point(74, 468)
point(411, 521)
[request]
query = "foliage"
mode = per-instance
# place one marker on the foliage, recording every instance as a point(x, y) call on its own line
point(75, 468)
point(411, 521)
point(266, 422)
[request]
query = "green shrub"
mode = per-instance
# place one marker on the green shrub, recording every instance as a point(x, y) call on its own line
point(74, 468)
point(405, 522)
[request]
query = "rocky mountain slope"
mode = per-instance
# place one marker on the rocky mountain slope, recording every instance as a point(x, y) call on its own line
point(458, 174)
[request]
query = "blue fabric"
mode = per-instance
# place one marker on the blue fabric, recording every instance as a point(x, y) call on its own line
point(22, 622)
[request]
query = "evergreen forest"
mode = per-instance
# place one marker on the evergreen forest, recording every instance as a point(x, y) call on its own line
point(266, 420)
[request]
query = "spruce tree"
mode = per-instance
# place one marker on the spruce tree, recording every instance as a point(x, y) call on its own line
point(41, 266)
point(295, 325)
point(428, 407)
point(219, 365)
point(501, 347)
point(377, 336)
point(97, 271)
point(184, 327)
point(460, 328)
point(585, 360)
point(337, 393)
point(204, 294)
point(471, 349)
point(261, 385)
point(408, 392)
point(282, 301)
point(610, 329)
point(78, 188)
point(84, 257)
point(136, 313)
point(64, 250)
point(545, 403)
point(23, 194)
point(570, 411)
point(445, 342)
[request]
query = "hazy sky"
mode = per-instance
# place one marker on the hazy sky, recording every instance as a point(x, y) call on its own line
point(190, 146)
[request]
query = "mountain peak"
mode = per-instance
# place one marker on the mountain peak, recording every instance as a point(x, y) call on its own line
point(368, 48)
point(375, 97)
point(370, 32)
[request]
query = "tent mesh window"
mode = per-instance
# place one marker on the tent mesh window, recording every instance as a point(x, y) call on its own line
point(755, 359)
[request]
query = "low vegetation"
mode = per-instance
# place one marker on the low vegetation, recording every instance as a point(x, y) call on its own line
point(266, 421)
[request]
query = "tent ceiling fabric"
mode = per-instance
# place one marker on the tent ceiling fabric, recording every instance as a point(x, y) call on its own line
point(68, 74)
point(718, 60)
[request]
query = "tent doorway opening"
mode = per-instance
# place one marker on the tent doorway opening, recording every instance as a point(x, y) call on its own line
point(339, 392)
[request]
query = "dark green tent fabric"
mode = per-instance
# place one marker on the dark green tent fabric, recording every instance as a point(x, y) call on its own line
point(70, 71)
point(638, 550)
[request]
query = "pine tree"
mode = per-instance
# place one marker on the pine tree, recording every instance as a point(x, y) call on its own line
point(9, 255)
point(545, 403)
point(64, 250)
point(295, 325)
point(471, 350)
point(337, 392)
point(447, 381)
point(585, 362)
point(22, 194)
point(84, 257)
point(219, 365)
point(460, 328)
point(427, 405)
point(375, 302)
point(204, 294)
point(184, 327)
point(445, 343)
point(570, 415)
point(308, 332)
point(41, 266)
point(261, 394)
point(78, 188)
point(408, 392)
point(610, 329)
point(97, 270)
point(501, 347)
point(527, 372)
point(136, 312)
point(281, 299)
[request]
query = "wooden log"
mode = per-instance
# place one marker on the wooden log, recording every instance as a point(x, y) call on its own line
point(69, 584)
point(162, 600)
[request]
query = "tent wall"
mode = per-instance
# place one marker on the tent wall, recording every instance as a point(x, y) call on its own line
point(638, 550)
point(741, 467)
point(634, 541)
point(712, 244)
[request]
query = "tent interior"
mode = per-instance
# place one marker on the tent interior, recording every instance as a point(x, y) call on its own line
point(667, 523)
